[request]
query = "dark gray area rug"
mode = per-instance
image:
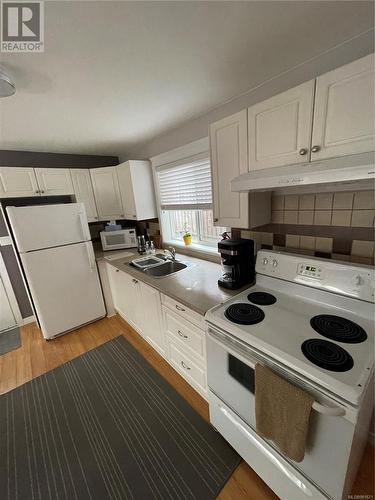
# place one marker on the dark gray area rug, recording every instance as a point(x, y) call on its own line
point(10, 340)
point(106, 425)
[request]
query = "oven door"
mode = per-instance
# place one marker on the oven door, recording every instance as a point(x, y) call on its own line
point(230, 373)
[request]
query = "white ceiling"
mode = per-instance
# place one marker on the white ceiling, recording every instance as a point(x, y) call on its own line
point(116, 74)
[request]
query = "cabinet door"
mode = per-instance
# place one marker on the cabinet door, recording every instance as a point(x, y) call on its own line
point(151, 324)
point(280, 128)
point(83, 191)
point(18, 182)
point(126, 189)
point(228, 138)
point(54, 181)
point(107, 193)
point(126, 297)
point(344, 110)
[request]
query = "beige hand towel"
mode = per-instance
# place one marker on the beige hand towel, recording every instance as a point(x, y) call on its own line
point(282, 412)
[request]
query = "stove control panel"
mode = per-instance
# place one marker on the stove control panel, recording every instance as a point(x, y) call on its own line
point(310, 270)
point(340, 277)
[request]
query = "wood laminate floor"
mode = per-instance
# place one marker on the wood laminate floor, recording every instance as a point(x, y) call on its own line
point(36, 356)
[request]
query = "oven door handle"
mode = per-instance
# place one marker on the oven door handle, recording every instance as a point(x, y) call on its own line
point(328, 410)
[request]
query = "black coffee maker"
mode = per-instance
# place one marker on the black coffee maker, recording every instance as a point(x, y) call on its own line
point(237, 262)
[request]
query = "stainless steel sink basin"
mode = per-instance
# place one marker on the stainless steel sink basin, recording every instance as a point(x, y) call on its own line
point(169, 267)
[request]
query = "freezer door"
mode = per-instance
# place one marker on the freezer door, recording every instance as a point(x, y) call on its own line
point(47, 226)
point(65, 287)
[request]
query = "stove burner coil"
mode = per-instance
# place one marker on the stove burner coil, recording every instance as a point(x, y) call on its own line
point(339, 329)
point(244, 314)
point(261, 298)
point(327, 355)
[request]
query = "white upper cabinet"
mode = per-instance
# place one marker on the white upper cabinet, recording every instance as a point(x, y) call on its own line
point(344, 110)
point(18, 182)
point(137, 190)
point(107, 193)
point(54, 181)
point(228, 140)
point(83, 191)
point(280, 128)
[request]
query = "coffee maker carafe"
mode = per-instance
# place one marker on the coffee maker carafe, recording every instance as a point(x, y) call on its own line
point(237, 262)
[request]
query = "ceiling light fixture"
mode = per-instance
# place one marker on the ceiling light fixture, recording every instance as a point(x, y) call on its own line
point(7, 86)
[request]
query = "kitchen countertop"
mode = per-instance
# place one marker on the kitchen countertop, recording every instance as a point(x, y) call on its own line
point(195, 287)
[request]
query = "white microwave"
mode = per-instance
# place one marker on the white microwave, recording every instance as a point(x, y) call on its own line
point(114, 240)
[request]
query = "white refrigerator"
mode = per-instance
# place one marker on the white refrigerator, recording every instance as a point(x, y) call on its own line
point(58, 259)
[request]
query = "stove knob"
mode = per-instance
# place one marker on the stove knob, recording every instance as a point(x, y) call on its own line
point(265, 261)
point(274, 263)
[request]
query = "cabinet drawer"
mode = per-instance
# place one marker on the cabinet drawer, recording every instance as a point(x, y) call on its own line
point(190, 336)
point(184, 311)
point(180, 360)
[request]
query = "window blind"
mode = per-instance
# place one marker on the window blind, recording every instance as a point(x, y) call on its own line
point(186, 186)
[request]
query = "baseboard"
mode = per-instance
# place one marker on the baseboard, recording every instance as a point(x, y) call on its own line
point(29, 319)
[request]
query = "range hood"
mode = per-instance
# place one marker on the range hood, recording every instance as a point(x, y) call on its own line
point(341, 174)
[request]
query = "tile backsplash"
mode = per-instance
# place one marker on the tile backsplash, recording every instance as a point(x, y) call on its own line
point(327, 225)
point(325, 209)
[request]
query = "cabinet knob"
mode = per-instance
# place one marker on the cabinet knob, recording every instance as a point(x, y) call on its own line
point(315, 149)
point(37, 191)
point(134, 216)
point(117, 270)
point(134, 280)
point(42, 191)
point(302, 151)
point(216, 219)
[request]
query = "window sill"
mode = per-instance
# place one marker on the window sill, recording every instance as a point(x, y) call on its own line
point(194, 250)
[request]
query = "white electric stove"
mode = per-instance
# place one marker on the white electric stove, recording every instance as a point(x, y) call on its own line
point(312, 321)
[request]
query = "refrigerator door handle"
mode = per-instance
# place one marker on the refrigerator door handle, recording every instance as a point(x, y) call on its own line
point(84, 224)
point(91, 256)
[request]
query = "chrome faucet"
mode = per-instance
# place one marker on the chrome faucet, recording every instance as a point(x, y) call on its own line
point(172, 253)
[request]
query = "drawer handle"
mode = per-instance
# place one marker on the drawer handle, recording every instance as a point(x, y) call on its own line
point(180, 308)
point(185, 365)
point(182, 335)
point(134, 280)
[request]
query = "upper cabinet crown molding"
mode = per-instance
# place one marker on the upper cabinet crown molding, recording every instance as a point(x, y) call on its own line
point(54, 181)
point(344, 114)
point(280, 128)
point(137, 190)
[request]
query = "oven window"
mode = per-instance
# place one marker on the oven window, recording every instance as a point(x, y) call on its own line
point(241, 372)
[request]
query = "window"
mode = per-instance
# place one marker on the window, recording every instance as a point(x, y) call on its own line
point(185, 196)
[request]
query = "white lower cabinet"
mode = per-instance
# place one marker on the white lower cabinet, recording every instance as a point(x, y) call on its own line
point(194, 373)
point(174, 330)
point(139, 304)
point(126, 296)
point(151, 321)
